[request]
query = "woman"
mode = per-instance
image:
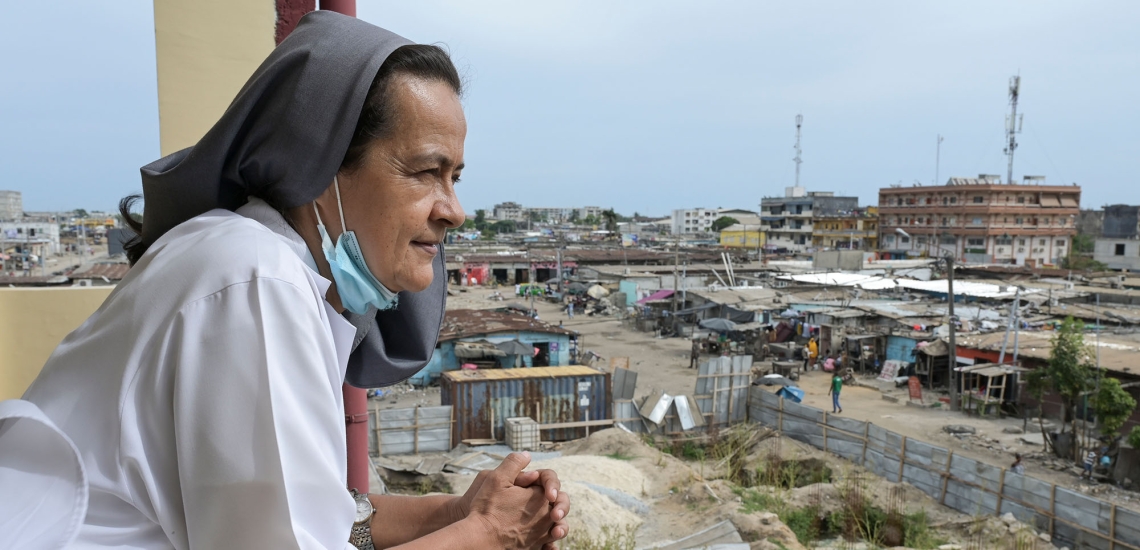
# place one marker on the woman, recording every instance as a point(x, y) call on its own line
point(201, 404)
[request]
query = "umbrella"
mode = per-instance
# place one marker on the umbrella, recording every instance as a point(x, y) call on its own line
point(514, 347)
point(790, 313)
point(774, 380)
point(598, 292)
point(576, 288)
point(718, 324)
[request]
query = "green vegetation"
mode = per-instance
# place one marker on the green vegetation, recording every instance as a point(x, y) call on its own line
point(610, 538)
point(1082, 263)
point(1113, 406)
point(1134, 437)
point(722, 222)
point(619, 455)
point(1083, 244)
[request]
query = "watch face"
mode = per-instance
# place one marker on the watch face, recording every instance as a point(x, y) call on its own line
point(363, 510)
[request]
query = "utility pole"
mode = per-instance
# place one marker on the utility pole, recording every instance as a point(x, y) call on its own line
point(1013, 124)
point(798, 160)
point(676, 284)
point(954, 405)
point(937, 157)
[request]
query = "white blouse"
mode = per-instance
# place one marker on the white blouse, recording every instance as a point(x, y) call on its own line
point(199, 407)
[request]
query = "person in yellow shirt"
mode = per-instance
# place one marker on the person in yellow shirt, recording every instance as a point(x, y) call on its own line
point(814, 349)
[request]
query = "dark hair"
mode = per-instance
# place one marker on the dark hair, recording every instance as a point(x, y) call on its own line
point(377, 118)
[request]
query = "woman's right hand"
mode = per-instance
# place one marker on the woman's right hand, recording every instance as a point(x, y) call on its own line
point(510, 516)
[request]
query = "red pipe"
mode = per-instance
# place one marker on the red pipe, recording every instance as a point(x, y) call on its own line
point(347, 7)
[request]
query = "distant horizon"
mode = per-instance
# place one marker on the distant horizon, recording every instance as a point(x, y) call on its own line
point(650, 107)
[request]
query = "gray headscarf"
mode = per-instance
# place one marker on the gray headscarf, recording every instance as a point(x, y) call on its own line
point(283, 139)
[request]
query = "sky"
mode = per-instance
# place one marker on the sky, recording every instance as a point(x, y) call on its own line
point(648, 106)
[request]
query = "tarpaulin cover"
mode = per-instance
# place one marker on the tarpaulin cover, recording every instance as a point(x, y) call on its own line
point(659, 295)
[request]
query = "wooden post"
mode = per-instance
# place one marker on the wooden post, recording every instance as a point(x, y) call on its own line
point(416, 430)
point(492, 409)
point(946, 479)
point(781, 413)
point(1052, 510)
point(379, 444)
point(1001, 492)
point(866, 436)
point(1112, 529)
point(902, 458)
point(716, 386)
point(731, 392)
point(824, 425)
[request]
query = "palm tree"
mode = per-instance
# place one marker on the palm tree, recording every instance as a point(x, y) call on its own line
point(611, 219)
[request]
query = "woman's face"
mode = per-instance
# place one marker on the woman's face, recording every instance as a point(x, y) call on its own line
point(401, 200)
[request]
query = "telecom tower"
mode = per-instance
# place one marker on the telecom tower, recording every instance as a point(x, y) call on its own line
point(798, 160)
point(1013, 124)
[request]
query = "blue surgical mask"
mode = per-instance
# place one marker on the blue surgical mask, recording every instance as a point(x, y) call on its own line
point(357, 286)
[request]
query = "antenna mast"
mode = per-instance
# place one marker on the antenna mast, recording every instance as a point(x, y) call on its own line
point(798, 160)
point(1013, 124)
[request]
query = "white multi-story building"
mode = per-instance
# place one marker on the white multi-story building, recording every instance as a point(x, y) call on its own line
point(31, 237)
point(694, 220)
point(509, 211)
point(517, 212)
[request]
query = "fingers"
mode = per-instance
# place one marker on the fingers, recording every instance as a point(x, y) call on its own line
point(550, 483)
point(526, 479)
point(561, 507)
point(513, 465)
point(547, 479)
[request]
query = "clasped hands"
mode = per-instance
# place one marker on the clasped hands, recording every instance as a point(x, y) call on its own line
point(513, 509)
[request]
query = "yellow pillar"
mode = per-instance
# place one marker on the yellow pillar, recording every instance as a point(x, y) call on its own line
point(206, 50)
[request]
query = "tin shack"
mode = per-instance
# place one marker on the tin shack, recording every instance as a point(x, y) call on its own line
point(491, 339)
point(567, 402)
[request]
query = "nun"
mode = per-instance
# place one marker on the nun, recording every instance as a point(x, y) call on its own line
point(297, 246)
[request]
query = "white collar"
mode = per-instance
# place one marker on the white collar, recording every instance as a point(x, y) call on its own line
point(260, 211)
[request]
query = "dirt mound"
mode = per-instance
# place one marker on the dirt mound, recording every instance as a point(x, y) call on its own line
point(612, 441)
point(592, 511)
point(608, 472)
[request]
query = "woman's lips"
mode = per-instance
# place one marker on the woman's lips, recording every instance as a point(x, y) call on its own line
point(427, 248)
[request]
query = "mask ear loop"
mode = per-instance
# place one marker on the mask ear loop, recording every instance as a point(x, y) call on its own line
point(336, 186)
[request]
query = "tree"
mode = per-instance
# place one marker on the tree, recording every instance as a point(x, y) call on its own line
point(591, 220)
point(573, 216)
point(1083, 244)
point(469, 225)
point(611, 219)
point(480, 219)
point(1069, 371)
point(1036, 383)
point(1113, 406)
point(722, 222)
point(80, 213)
point(1082, 263)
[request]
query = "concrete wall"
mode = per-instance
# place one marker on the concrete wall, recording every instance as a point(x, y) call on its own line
point(206, 50)
point(849, 260)
point(1104, 251)
point(33, 321)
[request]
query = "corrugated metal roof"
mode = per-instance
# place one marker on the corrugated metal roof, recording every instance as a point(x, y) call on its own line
point(114, 272)
point(520, 373)
point(462, 323)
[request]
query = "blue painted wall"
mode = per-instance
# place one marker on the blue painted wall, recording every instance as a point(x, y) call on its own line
point(444, 359)
point(630, 290)
point(899, 348)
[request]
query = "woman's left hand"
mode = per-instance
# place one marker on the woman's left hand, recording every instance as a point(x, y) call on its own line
point(547, 479)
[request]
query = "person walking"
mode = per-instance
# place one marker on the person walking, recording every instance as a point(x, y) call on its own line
point(807, 356)
point(1017, 467)
point(1090, 461)
point(813, 350)
point(695, 354)
point(836, 387)
point(570, 309)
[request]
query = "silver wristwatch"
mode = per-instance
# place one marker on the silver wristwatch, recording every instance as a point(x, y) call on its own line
point(361, 536)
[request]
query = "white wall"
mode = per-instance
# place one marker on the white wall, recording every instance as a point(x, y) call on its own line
point(1105, 251)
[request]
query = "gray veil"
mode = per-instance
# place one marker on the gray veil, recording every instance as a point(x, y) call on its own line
point(283, 139)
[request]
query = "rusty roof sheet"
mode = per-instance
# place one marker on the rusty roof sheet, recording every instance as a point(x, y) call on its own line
point(114, 272)
point(463, 323)
point(520, 373)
